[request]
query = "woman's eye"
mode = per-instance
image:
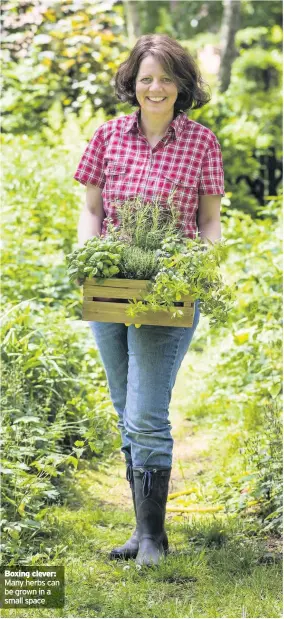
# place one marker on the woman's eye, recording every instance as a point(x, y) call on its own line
point(165, 79)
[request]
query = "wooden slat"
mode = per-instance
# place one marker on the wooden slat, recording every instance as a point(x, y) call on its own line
point(103, 306)
point(119, 288)
point(155, 319)
point(109, 292)
point(116, 312)
point(126, 283)
point(122, 293)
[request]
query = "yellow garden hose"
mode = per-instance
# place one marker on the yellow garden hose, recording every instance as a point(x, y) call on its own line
point(174, 495)
point(193, 508)
point(197, 508)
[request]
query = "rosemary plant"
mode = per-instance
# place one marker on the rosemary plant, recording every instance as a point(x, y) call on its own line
point(145, 225)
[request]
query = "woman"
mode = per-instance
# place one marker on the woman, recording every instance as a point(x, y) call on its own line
point(150, 153)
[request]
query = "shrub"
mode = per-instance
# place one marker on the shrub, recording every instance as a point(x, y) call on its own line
point(55, 410)
point(247, 382)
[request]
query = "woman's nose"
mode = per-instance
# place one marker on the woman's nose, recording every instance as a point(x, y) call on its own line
point(155, 85)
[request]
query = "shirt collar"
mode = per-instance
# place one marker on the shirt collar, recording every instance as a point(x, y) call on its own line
point(176, 125)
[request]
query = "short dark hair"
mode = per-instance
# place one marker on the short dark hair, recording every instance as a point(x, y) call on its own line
point(175, 60)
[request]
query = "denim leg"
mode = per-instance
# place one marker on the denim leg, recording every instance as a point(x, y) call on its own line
point(155, 356)
point(111, 340)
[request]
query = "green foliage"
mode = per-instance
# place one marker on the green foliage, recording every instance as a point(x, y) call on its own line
point(69, 57)
point(145, 224)
point(249, 114)
point(256, 323)
point(179, 19)
point(143, 227)
point(247, 379)
point(129, 249)
point(264, 456)
point(186, 269)
point(256, 358)
point(54, 390)
point(40, 212)
point(99, 257)
point(55, 410)
point(138, 263)
point(146, 244)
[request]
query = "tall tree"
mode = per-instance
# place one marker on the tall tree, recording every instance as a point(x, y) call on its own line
point(230, 25)
point(173, 5)
point(132, 20)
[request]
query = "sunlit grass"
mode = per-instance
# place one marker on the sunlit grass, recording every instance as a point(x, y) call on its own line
point(216, 567)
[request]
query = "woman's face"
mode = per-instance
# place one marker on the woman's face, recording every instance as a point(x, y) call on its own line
point(152, 82)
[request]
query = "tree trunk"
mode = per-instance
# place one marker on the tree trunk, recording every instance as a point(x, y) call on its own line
point(230, 25)
point(132, 20)
point(173, 6)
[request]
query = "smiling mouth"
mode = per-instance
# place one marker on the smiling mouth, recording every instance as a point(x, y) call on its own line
point(156, 99)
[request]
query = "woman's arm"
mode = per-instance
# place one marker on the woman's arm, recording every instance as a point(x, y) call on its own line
point(92, 215)
point(208, 217)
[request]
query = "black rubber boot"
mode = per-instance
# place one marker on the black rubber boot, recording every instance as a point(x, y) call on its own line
point(151, 491)
point(129, 550)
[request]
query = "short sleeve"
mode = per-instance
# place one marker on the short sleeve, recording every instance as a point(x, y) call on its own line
point(212, 172)
point(91, 165)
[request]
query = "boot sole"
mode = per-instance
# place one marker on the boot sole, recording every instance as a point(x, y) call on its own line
point(151, 563)
point(116, 556)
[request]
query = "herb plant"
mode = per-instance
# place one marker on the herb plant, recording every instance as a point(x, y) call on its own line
point(138, 263)
point(99, 257)
point(186, 269)
point(145, 225)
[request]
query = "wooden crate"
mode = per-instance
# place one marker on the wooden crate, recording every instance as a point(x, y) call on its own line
point(116, 293)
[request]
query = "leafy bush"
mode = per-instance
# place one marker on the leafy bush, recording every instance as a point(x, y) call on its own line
point(247, 381)
point(263, 453)
point(55, 402)
point(68, 57)
point(40, 213)
point(128, 250)
point(99, 257)
point(56, 410)
point(255, 265)
point(248, 116)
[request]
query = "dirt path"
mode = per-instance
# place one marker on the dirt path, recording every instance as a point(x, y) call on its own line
point(191, 455)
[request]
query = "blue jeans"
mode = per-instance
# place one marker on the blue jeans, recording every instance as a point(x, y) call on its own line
point(141, 366)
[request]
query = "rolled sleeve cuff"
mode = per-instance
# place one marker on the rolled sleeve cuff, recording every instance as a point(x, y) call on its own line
point(85, 177)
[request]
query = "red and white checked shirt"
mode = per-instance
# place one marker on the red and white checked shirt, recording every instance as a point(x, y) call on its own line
point(187, 161)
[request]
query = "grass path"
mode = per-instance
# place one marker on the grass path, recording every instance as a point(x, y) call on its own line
point(215, 568)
